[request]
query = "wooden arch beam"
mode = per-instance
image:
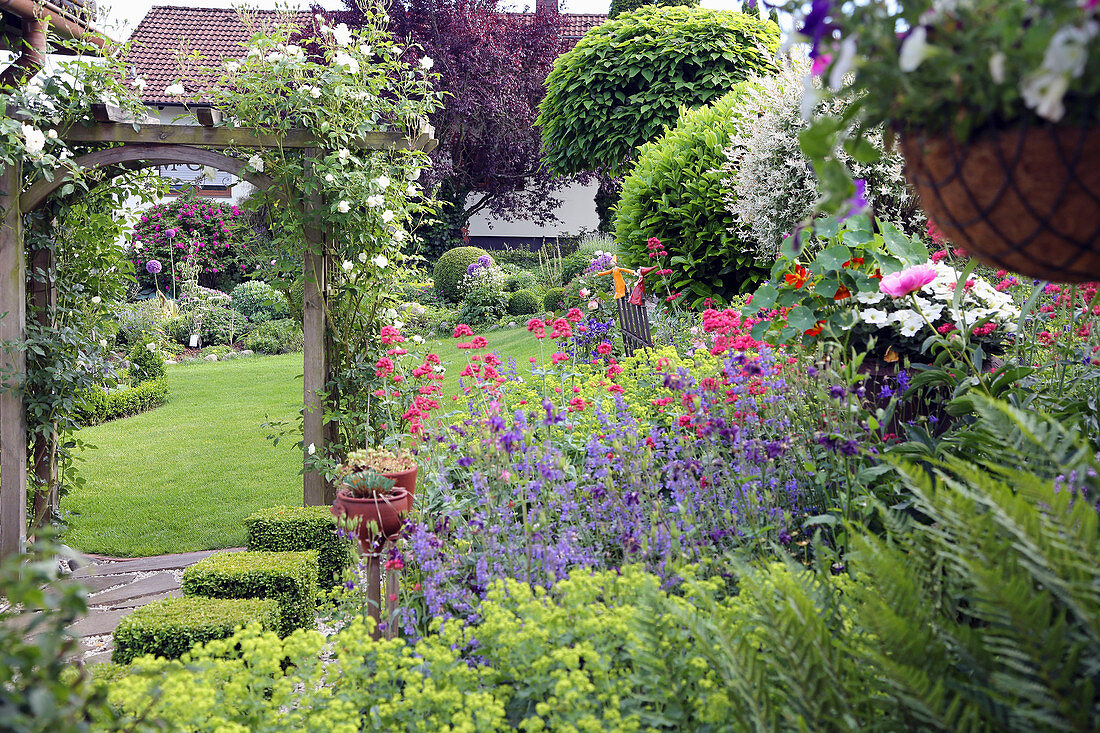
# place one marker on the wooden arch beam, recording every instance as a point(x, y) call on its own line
point(142, 155)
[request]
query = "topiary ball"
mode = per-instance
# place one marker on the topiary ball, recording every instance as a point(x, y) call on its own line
point(145, 364)
point(553, 299)
point(451, 267)
point(522, 303)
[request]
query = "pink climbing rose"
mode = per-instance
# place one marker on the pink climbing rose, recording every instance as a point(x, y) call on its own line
point(909, 280)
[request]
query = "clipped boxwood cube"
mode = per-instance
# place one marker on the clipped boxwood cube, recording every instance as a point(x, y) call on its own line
point(171, 626)
point(288, 577)
point(298, 528)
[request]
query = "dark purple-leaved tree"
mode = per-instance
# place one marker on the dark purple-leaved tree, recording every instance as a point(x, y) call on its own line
point(492, 65)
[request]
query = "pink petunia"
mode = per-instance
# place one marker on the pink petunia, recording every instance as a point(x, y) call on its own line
point(909, 280)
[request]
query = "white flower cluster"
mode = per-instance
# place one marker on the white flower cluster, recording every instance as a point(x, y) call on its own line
point(770, 187)
point(934, 300)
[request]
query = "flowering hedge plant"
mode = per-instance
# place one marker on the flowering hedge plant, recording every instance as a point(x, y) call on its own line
point(189, 229)
point(957, 66)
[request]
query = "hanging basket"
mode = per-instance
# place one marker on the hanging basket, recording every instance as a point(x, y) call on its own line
point(1025, 199)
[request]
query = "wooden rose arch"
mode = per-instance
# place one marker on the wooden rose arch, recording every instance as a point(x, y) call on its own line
point(147, 146)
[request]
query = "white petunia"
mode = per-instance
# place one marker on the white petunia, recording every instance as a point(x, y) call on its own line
point(341, 34)
point(845, 56)
point(343, 207)
point(382, 182)
point(997, 67)
point(914, 49)
point(174, 90)
point(348, 265)
point(870, 297)
point(346, 62)
point(426, 63)
point(33, 139)
point(256, 163)
point(875, 317)
point(1043, 92)
point(387, 216)
point(380, 260)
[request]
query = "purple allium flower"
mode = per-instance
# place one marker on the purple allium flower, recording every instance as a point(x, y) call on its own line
point(484, 260)
point(153, 267)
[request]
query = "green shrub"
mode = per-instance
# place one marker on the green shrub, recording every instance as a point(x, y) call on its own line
point(288, 577)
point(223, 326)
point(259, 302)
point(523, 303)
point(627, 79)
point(574, 265)
point(99, 405)
point(450, 269)
point(145, 364)
point(297, 528)
point(675, 193)
point(553, 298)
point(170, 627)
point(520, 257)
point(618, 7)
point(520, 280)
point(139, 322)
point(275, 337)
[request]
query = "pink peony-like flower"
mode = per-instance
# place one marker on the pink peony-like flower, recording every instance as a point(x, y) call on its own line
point(909, 280)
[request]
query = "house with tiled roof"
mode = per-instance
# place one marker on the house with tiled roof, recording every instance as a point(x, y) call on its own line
point(208, 37)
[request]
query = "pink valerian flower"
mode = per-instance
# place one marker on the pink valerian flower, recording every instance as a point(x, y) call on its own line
point(383, 367)
point(390, 335)
point(909, 280)
point(938, 255)
point(946, 328)
point(653, 243)
point(557, 357)
point(561, 329)
point(537, 327)
point(984, 330)
point(479, 342)
point(462, 330)
point(574, 315)
point(603, 349)
point(577, 404)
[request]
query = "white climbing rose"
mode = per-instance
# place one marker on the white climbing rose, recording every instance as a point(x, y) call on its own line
point(33, 139)
point(329, 178)
point(363, 257)
point(345, 61)
point(348, 265)
point(382, 182)
point(256, 163)
point(311, 449)
point(426, 63)
point(174, 90)
point(343, 207)
point(387, 216)
point(96, 300)
point(341, 34)
point(380, 260)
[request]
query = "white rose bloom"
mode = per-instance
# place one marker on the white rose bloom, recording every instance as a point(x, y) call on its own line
point(52, 134)
point(364, 49)
point(96, 300)
point(103, 343)
point(376, 200)
point(311, 449)
point(413, 190)
point(426, 63)
point(315, 92)
point(343, 154)
point(274, 56)
point(347, 62)
point(34, 139)
point(398, 325)
point(418, 339)
point(329, 178)
point(391, 314)
point(151, 346)
point(341, 34)
point(256, 163)
point(399, 235)
point(348, 265)
point(138, 83)
point(174, 90)
point(396, 50)
point(387, 216)
point(363, 257)
point(414, 174)
point(295, 52)
point(382, 182)
point(380, 260)
point(232, 67)
point(138, 246)
point(343, 207)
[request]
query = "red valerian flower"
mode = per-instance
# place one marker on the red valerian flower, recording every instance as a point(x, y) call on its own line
point(462, 330)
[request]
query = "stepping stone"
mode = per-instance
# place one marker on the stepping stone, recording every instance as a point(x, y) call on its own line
point(99, 658)
point(147, 586)
point(148, 564)
point(99, 622)
point(145, 600)
point(103, 582)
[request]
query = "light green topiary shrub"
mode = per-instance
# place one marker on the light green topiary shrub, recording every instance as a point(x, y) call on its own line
point(522, 303)
point(451, 268)
point(553, 299)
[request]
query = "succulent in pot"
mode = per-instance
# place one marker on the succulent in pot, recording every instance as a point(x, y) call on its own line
point(373, 500)
point(396, 465)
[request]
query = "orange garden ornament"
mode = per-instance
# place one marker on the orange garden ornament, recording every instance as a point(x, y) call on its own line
point(617, 272)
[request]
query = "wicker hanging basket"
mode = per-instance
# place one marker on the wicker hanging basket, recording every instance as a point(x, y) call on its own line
point(1026, 199)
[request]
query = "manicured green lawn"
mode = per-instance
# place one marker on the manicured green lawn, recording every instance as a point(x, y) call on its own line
point(183, 476)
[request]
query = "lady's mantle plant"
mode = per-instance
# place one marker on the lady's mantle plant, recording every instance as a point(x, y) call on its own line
point(946, 66)
point(350, 84)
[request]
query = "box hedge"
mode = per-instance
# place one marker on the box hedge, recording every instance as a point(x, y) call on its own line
point(288, 577)
point(170, 627)
point(98, 405)
point(300, 528)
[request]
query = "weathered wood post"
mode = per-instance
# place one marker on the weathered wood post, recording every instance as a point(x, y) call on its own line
point(42, 305)
point(316, 491)
point(13, 317)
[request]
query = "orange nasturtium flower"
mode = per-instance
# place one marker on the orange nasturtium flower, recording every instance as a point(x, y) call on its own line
point(815, 330)
point(798, 278)
point(842, 292)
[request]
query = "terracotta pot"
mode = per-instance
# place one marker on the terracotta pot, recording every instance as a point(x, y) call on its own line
point(404, 480)
point(1026, 199)
point(380, 517)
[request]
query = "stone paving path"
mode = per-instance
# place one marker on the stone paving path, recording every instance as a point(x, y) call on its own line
point(117, 586)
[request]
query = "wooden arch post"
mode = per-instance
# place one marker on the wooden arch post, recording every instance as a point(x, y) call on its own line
point(148, 146)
